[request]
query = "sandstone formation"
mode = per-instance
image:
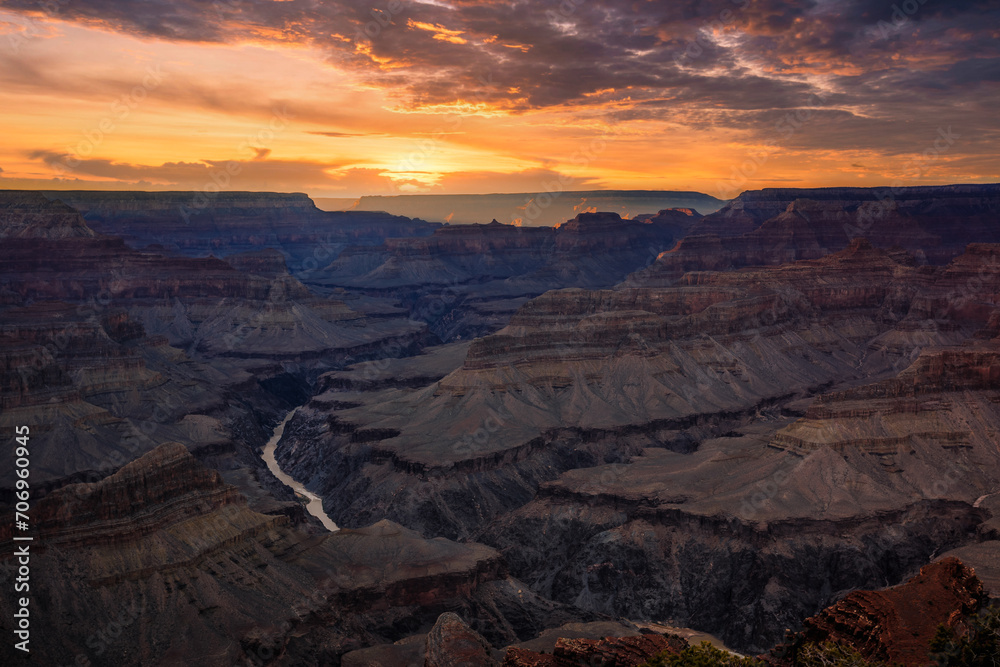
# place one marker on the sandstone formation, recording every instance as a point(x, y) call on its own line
point(451, 643)
point(896, 625)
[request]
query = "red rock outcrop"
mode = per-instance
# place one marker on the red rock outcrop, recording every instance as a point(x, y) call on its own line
point(896, 625)
point(451, 643)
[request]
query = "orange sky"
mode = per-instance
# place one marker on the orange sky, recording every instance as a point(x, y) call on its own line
point(472, 97)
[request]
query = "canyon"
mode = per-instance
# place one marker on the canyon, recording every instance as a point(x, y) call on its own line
point(531, 438)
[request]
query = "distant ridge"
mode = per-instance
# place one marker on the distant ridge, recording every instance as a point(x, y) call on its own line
point(530, 209)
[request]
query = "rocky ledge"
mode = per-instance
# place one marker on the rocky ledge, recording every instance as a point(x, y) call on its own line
point(169, 566)
point(895, 625)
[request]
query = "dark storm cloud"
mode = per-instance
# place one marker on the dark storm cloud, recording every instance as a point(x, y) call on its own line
point(645, 57)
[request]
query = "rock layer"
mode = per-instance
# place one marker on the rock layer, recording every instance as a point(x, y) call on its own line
point(778, 225)
point(198, 224)
point(168, 565)
point(465, 279)
point(896, 625)
point(567, 439)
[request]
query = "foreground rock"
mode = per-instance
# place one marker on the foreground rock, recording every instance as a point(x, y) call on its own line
point(451, 643)
point(896, 625)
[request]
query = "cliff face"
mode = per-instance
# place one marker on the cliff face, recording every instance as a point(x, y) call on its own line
point(198, 224)
point(169, 566)
point(773, 226)
point(896, 625)
point(253, 310)
point(566, 439)
point(107, 352)
point(31, 215)
point(496, 251)
point(97, 391)
point(618, 369)
point(51, 253)
point(466, 280)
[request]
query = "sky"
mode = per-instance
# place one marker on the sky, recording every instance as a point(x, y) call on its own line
point(343, 99)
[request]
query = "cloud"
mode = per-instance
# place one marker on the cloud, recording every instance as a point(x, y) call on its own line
point(253, 174)
point(528, 180)
point(320, 179)
point(873, 79)
point(729, 52)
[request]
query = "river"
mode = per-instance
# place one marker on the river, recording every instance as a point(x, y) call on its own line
point(315, 505)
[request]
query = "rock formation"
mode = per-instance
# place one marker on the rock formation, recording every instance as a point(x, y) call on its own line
point(896, 625)
point(775, 226)
point(163, 563)
point(565, 439)
point(451, 643)
point(772, 415)
point(224, 223)
point(467, 280)
point(612, 652)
